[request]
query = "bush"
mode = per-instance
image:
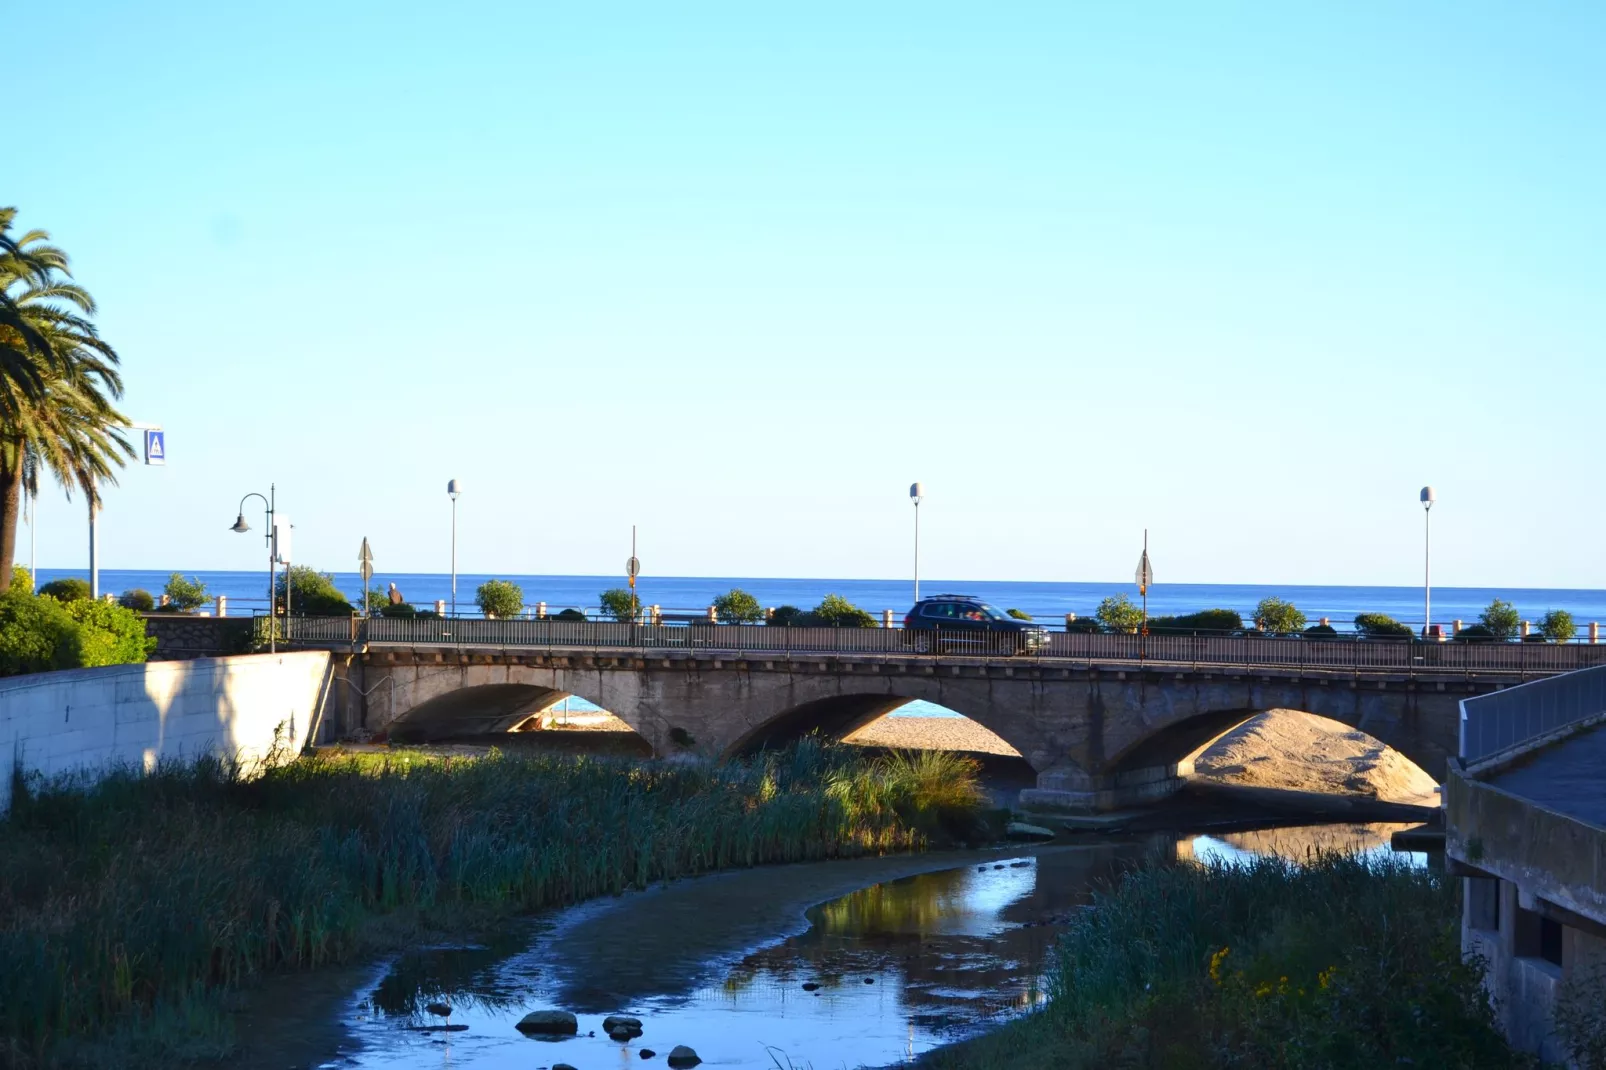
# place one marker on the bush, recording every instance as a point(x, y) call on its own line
point(1083, 626)
point(620, 603)
point(66, 589)
point(1206, 622)
point(36, 635)
point(402, 610)
point(21, 578)
point(1501, 619)
point(566, 614)
point(1019, 614)
point(1557, 626)
point(107, 634)
point(312, 593)
point(1382, 626)
point(1321, 631)
point(788, 616)
point(138, 599)
point(834, 611)
point(1475, 633)
point(1278, 617)
point(502, 599)
point(1117, 614)
point(185, 595)
point(736, 606)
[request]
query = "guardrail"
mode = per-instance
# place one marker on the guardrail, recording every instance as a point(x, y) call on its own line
point(1491, 723)
point(1332, 654)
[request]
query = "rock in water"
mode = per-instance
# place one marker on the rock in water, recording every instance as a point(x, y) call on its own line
point(443, 1010)
point(561, 1066)
point(616, 1022)
point(810, 986)
point(647, 1053)
point(549, 1024)
point(1020, 830)
point(683, 1056)
point(622, 1035)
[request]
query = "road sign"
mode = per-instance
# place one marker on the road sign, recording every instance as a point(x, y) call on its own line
point(365, 562)
point(1145, 573)
point(633, 568)
point(155, 446)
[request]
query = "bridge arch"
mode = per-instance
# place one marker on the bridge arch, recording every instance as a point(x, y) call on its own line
point(841, 716)
point(475, 710)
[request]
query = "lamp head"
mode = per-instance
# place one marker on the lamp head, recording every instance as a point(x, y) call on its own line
point(915, 492)
point(1427, 497)
point(240, 525)
point(453, 490)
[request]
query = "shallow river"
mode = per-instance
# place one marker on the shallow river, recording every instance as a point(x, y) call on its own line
point(907, 954)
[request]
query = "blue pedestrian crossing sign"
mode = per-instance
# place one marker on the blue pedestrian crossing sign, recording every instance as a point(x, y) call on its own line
point(155, 446)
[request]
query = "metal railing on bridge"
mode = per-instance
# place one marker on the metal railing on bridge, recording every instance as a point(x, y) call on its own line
point(1491, 723)
point(1346, 654)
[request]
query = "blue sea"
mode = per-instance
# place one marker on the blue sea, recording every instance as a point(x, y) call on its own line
point(1048, 602)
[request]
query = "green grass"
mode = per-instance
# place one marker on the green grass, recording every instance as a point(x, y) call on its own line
point(131, 909)
point(1340, 962)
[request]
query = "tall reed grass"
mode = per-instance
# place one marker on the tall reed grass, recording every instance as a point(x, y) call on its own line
point(134, 903)
point(1341, 961)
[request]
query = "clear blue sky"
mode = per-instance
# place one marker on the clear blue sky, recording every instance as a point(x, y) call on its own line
point(1247, 275)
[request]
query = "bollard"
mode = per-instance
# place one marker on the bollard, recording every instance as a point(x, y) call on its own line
point(222, 605)
point(1594, 631)
point(1455, 627)
point(886, 618)
point(540, 611)
point(1325, 624)
point(769, 614)
point(440, 607)
point(1070, 618)
point(657, 613)
point(1525, 627)
point(713, 615)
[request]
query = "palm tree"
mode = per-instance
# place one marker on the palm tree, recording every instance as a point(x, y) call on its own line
point(56, 415)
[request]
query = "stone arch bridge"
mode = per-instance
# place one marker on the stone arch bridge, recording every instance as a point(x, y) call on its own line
point(1097, 736)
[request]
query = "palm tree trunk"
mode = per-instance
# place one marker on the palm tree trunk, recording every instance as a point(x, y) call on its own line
point(10, 511)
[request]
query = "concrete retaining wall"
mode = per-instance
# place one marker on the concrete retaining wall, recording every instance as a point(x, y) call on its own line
point(94, 719)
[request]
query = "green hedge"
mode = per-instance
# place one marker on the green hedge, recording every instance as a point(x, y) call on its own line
point(40, 634)
point(1382, 626)
point(1204, 622)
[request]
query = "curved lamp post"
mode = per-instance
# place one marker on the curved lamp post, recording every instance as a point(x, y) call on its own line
point(916, 491)
point(1427, 562)
point(242, 527)
point(452, 491)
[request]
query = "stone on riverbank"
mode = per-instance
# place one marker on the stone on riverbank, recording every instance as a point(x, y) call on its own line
point(549, 1024)
point(615, 1023)
point(1020, 830)
point(683, 1056)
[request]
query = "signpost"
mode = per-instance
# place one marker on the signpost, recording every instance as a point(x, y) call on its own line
point(632, 570)
point(1144, 577)
point(155, 453)
point(155, 446)
point(365, 565)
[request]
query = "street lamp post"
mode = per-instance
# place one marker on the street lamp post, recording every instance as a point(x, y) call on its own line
point(242, 527)
point(1427, 562)
point(915, 493)
point(452, 491)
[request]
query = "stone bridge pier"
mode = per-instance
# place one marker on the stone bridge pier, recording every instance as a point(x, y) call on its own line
point(1098, 737)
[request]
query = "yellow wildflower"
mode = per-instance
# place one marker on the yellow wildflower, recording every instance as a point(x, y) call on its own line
point(1215, 964)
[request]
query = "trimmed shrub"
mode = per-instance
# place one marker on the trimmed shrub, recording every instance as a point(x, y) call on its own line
point(1476, 633)
point(312, 594)
point(1117, 614)
point(66, 589)
point(566, 614)
point(107, 634)
point(36, 634)
point(402, 610)
point(1321, 631)
point(1279, 617)
point(1083, 626)
point(1501, 619)
point(736, 606)
point(184, 595)
point(834, 611)
point(1557, 626)
point(787, 617)
point(620, 603)
point(138, 599)
point(1204, 622)
point(1382, 626)
point(502, 599)
point(1019, 614)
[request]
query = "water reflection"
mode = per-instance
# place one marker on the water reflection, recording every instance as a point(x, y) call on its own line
point(871, 977)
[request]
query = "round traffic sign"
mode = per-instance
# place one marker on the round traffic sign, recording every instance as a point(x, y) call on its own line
point(633, 568)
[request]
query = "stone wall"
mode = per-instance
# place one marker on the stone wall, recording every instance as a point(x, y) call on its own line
point(248, 708)
point(179, 636)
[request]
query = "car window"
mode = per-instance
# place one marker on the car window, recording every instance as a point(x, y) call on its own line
point(940, 610)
